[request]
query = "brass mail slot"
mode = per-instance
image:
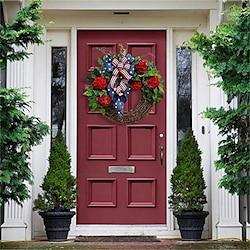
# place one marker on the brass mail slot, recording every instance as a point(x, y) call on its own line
point(122, 169)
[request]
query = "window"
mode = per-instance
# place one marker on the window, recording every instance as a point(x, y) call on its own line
point(184, 91)
point(58, 90)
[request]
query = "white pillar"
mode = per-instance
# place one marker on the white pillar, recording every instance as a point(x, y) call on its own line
point(17, 219)
point(229, 226)
point(225, 207)
point(14, 227)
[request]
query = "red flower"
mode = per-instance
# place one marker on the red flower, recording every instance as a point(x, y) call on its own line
point(136, 85)
point(99, 83)
point(153, 82)
point(141, 67)
point(104, 100)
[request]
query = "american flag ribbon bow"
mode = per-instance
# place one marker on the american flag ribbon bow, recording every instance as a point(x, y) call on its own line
point(121, 69)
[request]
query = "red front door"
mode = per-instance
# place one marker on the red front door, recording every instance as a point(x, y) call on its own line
point(121, 198)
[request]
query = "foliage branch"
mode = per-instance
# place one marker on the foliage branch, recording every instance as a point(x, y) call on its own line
point(17, 35)
point(226, 53)
point(19, 132)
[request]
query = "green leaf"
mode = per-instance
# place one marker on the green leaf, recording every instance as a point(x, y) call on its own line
point(89, 92)
point(100, 61)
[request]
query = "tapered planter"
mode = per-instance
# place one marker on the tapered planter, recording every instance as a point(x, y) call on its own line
point(57, 224)
point(191, 224)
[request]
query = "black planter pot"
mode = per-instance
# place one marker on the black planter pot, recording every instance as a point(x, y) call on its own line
point(191, 224)
point(57, 224)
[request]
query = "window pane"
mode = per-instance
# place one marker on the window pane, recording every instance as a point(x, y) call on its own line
point(184, 91)
point(58, 90)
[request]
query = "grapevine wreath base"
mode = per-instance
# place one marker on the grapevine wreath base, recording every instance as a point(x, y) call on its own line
point(110, 84)
point(142, 108)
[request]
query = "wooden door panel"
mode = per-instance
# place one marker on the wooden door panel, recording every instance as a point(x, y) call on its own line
point(101, 192)
point(94, 51)
point(137, 148)
point(101, 142)
point(146, 51)
point(120, 198)
point(141, 192)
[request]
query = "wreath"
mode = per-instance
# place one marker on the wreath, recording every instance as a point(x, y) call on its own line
point(110, 84)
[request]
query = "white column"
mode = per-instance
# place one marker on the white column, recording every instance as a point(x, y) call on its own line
point(17, 219)
point(228, 226)
point(225, 207)
point(14, 227)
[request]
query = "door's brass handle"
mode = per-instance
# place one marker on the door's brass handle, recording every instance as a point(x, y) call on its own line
point(161, 154)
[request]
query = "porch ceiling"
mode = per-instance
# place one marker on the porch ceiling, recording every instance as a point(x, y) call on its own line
point(107, 18)
point(130, 5)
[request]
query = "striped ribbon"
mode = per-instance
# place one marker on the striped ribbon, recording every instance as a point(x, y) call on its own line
point(120, 68)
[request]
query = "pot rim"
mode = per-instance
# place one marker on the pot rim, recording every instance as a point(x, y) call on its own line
point(192, 212)
point(57, 213)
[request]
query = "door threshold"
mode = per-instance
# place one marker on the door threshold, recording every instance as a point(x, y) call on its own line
point(160, 230)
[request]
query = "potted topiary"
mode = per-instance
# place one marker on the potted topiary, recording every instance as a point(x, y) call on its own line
point(59, 193)
point(188, 185)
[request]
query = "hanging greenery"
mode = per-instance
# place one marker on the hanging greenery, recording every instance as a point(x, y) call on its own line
point(226, 52)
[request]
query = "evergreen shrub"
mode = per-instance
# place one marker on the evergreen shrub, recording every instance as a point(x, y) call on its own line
point(187, 180)
point(59, 191)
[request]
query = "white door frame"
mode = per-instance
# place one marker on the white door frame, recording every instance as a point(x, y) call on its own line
point(168, 229)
